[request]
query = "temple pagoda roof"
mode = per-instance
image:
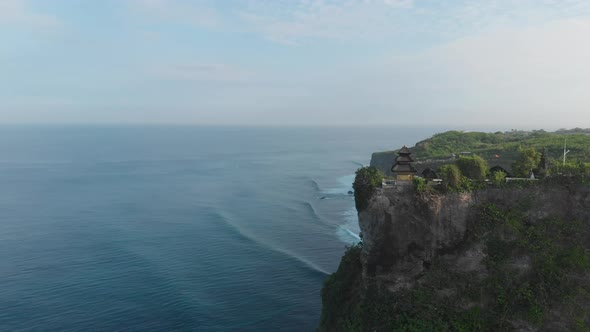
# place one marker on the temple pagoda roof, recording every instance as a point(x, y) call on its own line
point(403, 168)
point(403, 162)
point(403, 158)
point(404, 150)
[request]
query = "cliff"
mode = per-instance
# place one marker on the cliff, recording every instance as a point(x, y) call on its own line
point(498, 259)
point(383, 161)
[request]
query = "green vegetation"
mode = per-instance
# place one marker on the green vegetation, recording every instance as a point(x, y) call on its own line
point(475, 168)
point(498, 178)
point(571, 169)
point(469, 173)
point(451, 176)
point(346, 308)
point(454, 175)
point(420, 184)
point(342, 289)
point(367, 179)
point(558, 262)
point(528, 160)
point(502, 147)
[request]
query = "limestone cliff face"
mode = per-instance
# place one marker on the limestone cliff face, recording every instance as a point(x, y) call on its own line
point(509, 259)
point(405, 232)
point(383, 161)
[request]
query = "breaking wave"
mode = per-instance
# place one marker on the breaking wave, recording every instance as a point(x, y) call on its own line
point(248, 236)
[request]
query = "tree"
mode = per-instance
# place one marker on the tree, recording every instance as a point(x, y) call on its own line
point(528, 160)
point(367, 179)
point(451, 176)
point(571, 169)
point(420, 184)
point(474, 167)
point(498, 178)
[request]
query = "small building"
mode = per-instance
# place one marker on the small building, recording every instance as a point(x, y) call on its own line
point(387, 183)
point(402, 168)
point(429, 174)
point(498, 168)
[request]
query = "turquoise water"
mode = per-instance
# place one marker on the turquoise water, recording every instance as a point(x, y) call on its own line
point(175, 228)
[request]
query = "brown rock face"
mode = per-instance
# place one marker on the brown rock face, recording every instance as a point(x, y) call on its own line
point(404, 231)
point(498, 259)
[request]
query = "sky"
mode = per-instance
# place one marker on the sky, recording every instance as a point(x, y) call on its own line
point(496, 63)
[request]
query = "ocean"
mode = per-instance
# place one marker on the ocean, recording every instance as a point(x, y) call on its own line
point(176, 228)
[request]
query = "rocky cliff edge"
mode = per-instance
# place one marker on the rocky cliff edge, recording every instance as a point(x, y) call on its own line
point(513, 259)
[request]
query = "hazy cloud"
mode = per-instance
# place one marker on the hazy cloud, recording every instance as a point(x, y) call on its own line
point(18, 12)
point(369, 62)
point(536, 74)
point(191, 13)
point(342, 20)
point(202, 72)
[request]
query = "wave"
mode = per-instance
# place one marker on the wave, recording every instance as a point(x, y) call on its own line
point(345, 185)
point(352, 234)
point(356, 163)
point(347, 236)
point(314, 184)
point(311, 211)
point(246, 235)
point(349, 231)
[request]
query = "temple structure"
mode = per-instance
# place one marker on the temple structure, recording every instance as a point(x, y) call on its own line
point(402, 168)
point(429, 174)
point(498, 168)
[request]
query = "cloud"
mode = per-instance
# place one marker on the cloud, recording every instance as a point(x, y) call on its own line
point(392, 20)
point(202, 72)
point(340, 20)
point(535, 74)
point(188, 13)
point(382, 21)
point(399, 3)
point(18, 12)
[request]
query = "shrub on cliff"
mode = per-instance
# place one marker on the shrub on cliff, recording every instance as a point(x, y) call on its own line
point(557, 276)
point(367, 179)
point(420, 184)
point(451, 176)
point(498, 178)
point(528, 159)
point(341, 291)
point(571, 169)
point(475, 167)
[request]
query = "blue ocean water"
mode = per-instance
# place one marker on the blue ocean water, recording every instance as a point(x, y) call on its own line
point(175, 228)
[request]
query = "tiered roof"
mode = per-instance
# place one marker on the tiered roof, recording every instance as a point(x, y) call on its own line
point(402, 162)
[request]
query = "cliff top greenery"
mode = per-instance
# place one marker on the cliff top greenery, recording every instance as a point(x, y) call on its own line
point(504, 146)
point(367, 179)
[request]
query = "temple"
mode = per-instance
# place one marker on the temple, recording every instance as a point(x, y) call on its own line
point(402, 168)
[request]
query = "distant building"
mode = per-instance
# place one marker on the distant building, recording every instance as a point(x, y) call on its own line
point(496, 169)
point(387, 183)
point(429, 174)
point(403, 169)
